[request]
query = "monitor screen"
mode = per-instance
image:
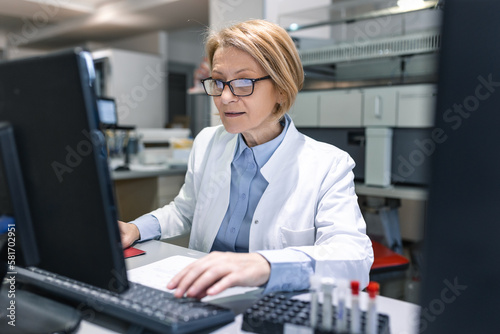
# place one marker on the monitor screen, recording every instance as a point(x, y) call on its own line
point(107, 111)
point(51, 104)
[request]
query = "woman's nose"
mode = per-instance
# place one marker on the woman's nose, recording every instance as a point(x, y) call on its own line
point(227, 95)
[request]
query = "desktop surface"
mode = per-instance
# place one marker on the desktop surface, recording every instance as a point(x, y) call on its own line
point(404, 316)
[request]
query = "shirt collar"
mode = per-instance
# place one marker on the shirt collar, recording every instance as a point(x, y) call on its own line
point(263, 152)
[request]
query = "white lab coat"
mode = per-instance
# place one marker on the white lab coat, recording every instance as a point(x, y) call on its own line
point(309, 204)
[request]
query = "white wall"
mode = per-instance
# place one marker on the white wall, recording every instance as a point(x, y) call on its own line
point(148, 43)
point(226, 12)
point(186, 46)
point(137, 82)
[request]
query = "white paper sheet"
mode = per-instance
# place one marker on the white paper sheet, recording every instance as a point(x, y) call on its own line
point(159, 273)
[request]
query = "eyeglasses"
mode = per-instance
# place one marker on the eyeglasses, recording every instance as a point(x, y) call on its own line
point(239, 87)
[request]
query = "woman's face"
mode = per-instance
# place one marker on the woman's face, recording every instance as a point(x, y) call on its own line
point(252, 116)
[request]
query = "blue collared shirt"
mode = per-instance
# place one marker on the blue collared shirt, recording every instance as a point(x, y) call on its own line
point(247, 187)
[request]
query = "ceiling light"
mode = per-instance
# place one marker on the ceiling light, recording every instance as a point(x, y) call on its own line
point(411, 4)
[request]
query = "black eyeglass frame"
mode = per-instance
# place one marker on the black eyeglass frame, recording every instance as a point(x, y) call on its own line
point(228, 83)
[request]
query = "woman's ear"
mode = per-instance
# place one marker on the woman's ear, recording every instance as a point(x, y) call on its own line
point(280, 98)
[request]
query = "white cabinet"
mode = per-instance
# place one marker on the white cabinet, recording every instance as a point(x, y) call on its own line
point(304, 112)
point(380, 107)
point(340, 108)
point(407, 106)
point(416, 104)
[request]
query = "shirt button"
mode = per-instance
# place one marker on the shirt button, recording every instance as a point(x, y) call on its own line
point(232, 230)
point(243, 196)
point(251, 165)
point(256, 221)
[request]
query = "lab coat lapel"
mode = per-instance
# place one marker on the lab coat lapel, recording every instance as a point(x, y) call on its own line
point(214, 198)
point(281, 172)
point(279, 164)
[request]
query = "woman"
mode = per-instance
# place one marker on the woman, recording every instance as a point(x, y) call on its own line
point(270, 204)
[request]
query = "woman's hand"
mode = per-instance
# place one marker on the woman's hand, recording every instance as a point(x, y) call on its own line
point(129, 233)
point(218, 271)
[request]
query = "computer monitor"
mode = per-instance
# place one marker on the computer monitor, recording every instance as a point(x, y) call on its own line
point(50, 103)
point(107, 112)
point(14, 205)
point(461, 239)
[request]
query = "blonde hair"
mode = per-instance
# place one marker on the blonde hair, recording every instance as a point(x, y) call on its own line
point(272, 47)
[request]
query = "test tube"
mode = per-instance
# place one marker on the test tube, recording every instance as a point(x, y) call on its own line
point(315, 283)
point(372, 317)
point(355, 314)
point(341, 319)
point(327, 285)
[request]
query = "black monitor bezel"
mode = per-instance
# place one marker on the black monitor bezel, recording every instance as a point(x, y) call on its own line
point(24, 243)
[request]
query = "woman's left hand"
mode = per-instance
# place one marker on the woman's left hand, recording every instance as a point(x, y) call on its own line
point(218, 271)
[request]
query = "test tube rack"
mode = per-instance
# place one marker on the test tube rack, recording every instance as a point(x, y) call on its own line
point(273, 312)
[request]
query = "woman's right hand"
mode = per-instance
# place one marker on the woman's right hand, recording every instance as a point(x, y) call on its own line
point(129, 233)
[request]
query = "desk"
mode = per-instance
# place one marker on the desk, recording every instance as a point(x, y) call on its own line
point(403, 315)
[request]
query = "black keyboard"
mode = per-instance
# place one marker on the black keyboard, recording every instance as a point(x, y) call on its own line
point(141, 305)
point(274, 312)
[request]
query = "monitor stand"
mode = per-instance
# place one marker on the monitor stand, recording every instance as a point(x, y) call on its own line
point(32, 313)
point(22, 311)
